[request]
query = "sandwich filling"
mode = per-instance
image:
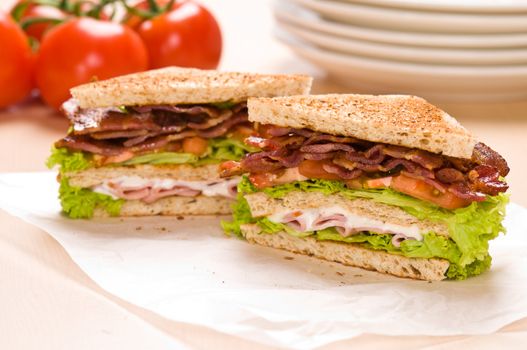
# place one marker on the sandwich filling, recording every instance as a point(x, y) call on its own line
point(344, 222)
point(157, 134)
point(448, 182)
point(151, 190)
point(465, 195)
point(154, 135)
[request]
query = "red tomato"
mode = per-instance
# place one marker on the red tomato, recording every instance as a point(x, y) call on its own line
point(187, 36)
point(37, 30)
point(379, 182)
point(16, 62)
point(195, 145)
point(241, 132)
point(82, 50)
point(313, 169)
point(420, 189)
point(263, 180)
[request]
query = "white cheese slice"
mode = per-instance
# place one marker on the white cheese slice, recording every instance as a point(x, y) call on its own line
point(309, 218)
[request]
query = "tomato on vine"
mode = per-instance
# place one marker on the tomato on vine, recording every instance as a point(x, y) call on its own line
point(16, 62)
point(85, 49)
point(181, 34)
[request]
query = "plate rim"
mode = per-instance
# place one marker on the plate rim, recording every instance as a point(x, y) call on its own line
point(425, 21)
point(282, 10)
point(394, 52)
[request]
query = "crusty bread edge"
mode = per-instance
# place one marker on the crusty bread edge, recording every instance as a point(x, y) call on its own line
point(173, 206)
point(183, 172)
point(176, 85)
point(351, 254)
point(449, 139)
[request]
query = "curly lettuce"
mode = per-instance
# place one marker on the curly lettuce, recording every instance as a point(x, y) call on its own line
point(68, 160)
point(80, 203)
point(470, 228)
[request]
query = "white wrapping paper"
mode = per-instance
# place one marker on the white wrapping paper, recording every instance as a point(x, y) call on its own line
point(188, 271)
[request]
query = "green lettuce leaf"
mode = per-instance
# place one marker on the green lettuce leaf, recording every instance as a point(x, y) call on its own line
point(222, 149)
point(470, 228)
point(68, 160)
point(80, 203)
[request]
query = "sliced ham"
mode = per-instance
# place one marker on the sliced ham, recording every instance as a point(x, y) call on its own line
point(346, 223)
point(151, 190)
point(158, 193)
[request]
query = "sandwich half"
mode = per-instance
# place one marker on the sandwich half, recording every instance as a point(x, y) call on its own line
point(386, 183)
point(151, 143)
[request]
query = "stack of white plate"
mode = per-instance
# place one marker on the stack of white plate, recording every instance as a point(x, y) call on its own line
point(461, 50)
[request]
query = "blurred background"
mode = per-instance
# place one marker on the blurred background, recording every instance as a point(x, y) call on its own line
point(468, 57)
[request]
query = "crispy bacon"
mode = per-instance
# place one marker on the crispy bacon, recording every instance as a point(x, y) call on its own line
point(326, 148)
point(485, 178)
point(112, 132)
point(223, 127)
point(342, 172)
point(449, 175)
point(83, 143)
point(317, 138)
point(349, 159)
point(484, 155)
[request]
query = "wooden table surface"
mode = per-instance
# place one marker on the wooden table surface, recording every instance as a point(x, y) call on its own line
point(47, 302)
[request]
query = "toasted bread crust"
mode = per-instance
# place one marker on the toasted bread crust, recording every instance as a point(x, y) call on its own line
point(174, 85)
point(351, 254)
point(175, 205)
point(402, 120)
point(262, 205)
point(184, 172)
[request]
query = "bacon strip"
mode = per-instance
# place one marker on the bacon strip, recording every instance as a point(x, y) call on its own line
point(350, 159)
point(111, 132)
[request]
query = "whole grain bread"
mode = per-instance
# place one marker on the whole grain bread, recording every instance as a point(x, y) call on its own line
point(174, 205)
point(262, 205)
point(174, 85)
point(351, 254)
point(394, 119)
point(184, 172)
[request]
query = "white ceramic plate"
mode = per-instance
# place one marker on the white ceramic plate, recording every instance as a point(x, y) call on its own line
point(308, 19)
point(400, 19)
point(436, 82)
point(469, 6)
point(408, 53)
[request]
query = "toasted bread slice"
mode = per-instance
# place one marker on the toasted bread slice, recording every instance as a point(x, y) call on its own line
point(175, 205)
point(394, 119)
point(174, 85)
point(184, 172)
point(262, 205)
point(351, 254)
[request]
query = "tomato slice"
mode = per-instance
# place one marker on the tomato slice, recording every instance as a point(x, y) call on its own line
point(381, 182)
point(420, 189)
point(313, 169)
point(241, 132)
point(263, 180)
point(195, 145)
